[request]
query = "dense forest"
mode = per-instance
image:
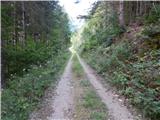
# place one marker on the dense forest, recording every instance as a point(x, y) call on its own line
point(121, 40)
point(31, 27)
point(35, 40)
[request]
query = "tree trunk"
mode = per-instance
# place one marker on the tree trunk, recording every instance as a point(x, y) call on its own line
point(121, 14)
point(14, 32)
point(142, 8)
point(137, 8)
point(23, 24)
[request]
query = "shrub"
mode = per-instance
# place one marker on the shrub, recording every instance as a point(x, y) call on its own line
point(151, 30)
point(19, 58)
point(23, 93)
point(120, 80)
point(122, 51)
point(154, 15)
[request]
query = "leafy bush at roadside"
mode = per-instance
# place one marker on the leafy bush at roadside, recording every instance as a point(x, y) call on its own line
point(19, 58)
point(138, 80)
point(154, 15)
point(23, 93)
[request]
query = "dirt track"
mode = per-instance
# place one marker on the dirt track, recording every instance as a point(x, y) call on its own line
point(63, 102)
point(60, 105)
point(116, 108)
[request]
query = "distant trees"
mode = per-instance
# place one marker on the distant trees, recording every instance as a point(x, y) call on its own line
point(120, 41)
point(30, 28)
point(111, 18)
point(135, 11)
point(132, 11)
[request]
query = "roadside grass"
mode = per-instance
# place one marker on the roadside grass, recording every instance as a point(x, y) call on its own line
point(94, 103)
point(135, 75)
point(98, 116)
point(84, 83)
point(24, 93)
point(90, 101)
point(77, 68)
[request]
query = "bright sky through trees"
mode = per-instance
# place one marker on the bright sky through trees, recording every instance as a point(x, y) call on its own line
point(75, 9)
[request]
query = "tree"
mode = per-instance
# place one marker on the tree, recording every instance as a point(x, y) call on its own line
point(121, 14)
point(29, 27)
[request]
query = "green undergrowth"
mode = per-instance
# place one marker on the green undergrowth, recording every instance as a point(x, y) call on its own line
point(96, 110)
point(77, 68)
point(135, 74)
point(21, 57)
point(24, 93)
point(94, 103)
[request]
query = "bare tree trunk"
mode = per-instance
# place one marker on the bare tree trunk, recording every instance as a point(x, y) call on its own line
point(121, 14)
point(14, 32)
point(141, 7)
point(145, 6)
point(137, 8)
point(23, 24)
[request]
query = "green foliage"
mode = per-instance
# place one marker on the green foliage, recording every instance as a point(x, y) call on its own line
point(24, 93)
point(128, 91)
point(119, 79)
point(137, 80)
point(34, 44)
point(84, 83)
point(44, 33)
point(20, 58)
point(151, 30)
point(92, 101)
point(132, 68)
point(77, 68)
point(7, 21)
point(110, 58)
point(122, 51)
point(98, 116)
point(154, 14)
point(147, 103)
point(101, 28)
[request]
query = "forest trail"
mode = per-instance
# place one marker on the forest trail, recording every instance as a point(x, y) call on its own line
point(61, 105)
point(116, 109)
point(58, 105)
point(80, 60)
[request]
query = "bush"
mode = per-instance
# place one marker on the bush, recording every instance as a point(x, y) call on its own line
point(121, 51)
point(151, 30)
point(19, 58)
point(23, 93)
point(137, 80)
point(154, 15)
point(147, 103)
point(120, 80)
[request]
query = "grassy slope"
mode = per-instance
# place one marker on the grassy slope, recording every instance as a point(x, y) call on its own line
point(88, 104)
point(132, 64)
point(24, 93)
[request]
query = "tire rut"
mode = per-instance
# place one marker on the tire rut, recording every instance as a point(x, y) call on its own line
point(58, 103)
point(63, 103)
point(117, 111)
